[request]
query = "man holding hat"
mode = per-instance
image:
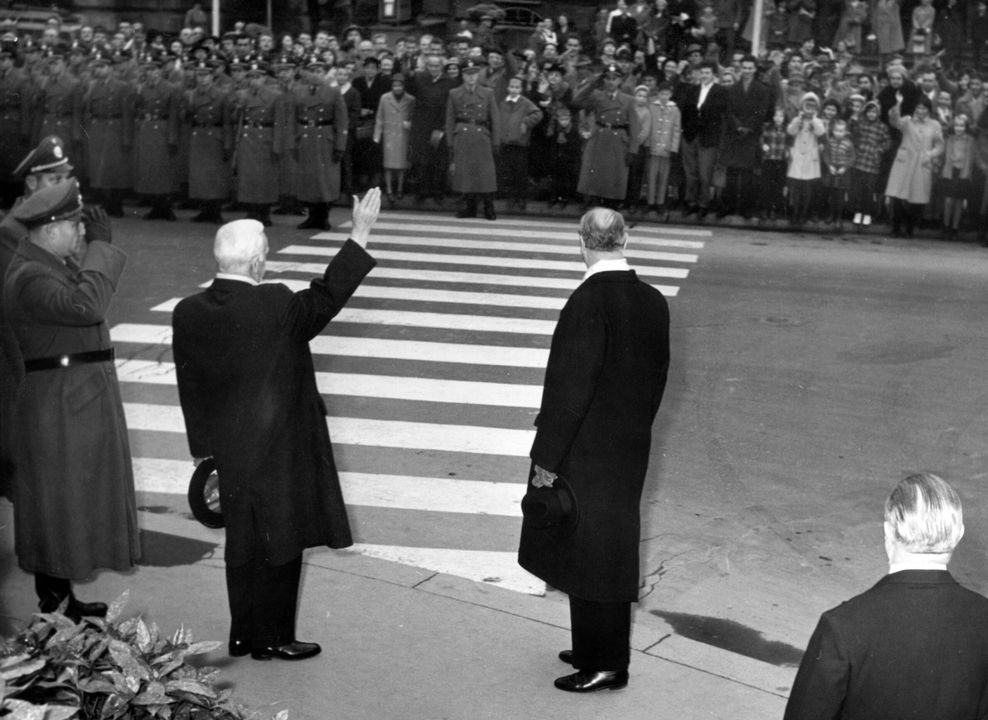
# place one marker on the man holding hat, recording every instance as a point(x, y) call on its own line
point(604, 381)
point(74, 505)
point(473, 127)
point(322, 134)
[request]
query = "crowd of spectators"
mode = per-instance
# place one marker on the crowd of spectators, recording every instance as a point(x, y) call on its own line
point(847, 112)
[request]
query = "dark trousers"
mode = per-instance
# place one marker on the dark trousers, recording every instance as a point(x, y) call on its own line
point(601, 633)
point(51, 590)
point(739, 194)
point(513, 172)
point(262, 602)
point(431, 171)
point(773, 182)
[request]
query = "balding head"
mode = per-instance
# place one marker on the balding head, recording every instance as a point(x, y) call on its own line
point(241, 248)
point(602, 230)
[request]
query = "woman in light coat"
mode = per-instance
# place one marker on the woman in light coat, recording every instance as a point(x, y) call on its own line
point(911, 177)
point(392, 126)
point(806, 129)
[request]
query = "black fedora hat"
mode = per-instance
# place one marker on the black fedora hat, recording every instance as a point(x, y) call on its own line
point(550, 507)
point(204, 494)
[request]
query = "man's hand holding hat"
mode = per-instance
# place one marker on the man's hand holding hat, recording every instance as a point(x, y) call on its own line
point(97, 225)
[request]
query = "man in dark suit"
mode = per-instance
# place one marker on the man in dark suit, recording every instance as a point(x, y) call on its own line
point(749, 107)
point(249, 396)
point(916, 644)
point(604, 381)
point(703, 111)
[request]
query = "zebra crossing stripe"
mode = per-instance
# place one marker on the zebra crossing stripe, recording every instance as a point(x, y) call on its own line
point(370, 432)
point(397, 492)
point(632, 253)
point(341, 345)
point(389, 387)
point(576, 268)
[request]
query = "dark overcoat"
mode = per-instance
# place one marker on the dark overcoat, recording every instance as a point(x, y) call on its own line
point(59, 110)
point(108, 112)
point(473, 128)
point(323, 126)
point(431, 95)
point(704, 124)
point(249, 397)
point(15, 120)
point(747, 112)
point(913, 646)
point(210, 116)
point(156, 139)
point(603, 384)
point(604, 170)
point(74, 506)
point(262, 139)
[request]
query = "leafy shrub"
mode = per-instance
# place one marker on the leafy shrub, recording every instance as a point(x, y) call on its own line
point(109, 669)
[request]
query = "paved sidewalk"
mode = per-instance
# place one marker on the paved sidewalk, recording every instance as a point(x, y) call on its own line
point(404, 643)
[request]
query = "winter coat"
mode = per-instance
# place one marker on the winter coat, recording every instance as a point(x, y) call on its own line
point(911, 175)
point(392, 128)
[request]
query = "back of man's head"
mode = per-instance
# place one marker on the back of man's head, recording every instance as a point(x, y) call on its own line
point(602, 230)
point(238, 243)
point(925, 515)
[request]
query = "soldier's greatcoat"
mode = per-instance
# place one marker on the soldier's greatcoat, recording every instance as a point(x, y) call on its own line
point(74, 505)
point(322, 127)
point(108, 111)
point(15, 120)
point(209, 116)
point(158, 110)
point(59, 110)
point(472, 128)
point(262, 139)
point(604, 170)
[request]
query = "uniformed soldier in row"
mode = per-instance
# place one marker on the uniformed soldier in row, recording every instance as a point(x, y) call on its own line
point(209, 112)
point(108, 116)
point(473, 129)
point(58, 102)
point(15, 119)
point(321, 137)
point(158, 109)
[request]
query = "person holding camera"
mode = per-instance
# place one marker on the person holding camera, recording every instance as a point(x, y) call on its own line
point(73, 487)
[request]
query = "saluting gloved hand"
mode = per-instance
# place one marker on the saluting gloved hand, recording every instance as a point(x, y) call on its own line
point(338, 155)
point(97, 224)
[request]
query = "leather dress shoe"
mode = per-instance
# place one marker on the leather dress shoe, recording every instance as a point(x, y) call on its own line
point(295, 650)
point(85, 609)
point(593, 680)
point(566, 656)
point(239, 647)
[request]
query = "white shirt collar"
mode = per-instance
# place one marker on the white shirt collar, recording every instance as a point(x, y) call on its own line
point(234, 276)
point(607, 265)
point(916, 563)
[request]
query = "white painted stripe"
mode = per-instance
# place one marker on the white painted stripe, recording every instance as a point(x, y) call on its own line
point(371, 432)
point(494, 568)
point(566, 236)
point(459, 353)
point(390, 387)
point(403, 492)
point(317, 269)
point(455, 297)
point(459, 244)
point(483, 260)
point(525, 223)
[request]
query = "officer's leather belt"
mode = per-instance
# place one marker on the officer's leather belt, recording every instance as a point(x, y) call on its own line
point(107, 117)
point(258, 125)
point(317, 123)
point(471, 121)
point(151, 117)
point(206, 125)
point(63, 361)
point(610, 126)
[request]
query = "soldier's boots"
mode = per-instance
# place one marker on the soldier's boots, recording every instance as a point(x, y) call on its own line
point(469, 207)
point(160, 209)
point(318, 218)
point(489, 208)
point(209, 212)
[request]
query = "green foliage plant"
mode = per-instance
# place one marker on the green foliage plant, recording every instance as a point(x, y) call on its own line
point(109, 669)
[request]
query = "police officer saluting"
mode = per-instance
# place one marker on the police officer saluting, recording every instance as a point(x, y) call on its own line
point(322, 135)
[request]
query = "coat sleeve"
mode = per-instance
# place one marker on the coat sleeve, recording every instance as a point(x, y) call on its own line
point(309, 310)
point(193, 389)
point(821, 682)
point(576, 359)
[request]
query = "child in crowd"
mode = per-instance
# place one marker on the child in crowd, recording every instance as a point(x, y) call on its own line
point(636, 171)
point(564, 157)
point(955, 178)
point(838, 154)
point(872, 139)
point(664, 140)
point(775, 153)
point(806, 129)
point(518, 116)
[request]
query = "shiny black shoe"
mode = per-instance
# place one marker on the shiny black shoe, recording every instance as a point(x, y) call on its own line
point(295, 650)
point(85, 609)
point(239, 647)
point(566, 656)
point(593, 680)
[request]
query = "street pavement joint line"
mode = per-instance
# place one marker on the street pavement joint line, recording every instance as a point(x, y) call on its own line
point(424, 580)
point(711, 673)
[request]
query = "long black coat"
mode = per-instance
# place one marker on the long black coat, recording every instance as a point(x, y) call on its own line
point(913, 646)
point(747, 112)
point(707, 121)
point(603, 385)
point(249, 396)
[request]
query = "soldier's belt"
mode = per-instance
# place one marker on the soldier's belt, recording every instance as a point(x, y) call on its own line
point(107, 117)
point(258, 125)
point(317, 123)
point(63, 361)
point(206, 125)
point(149, 117)
point(613, 126)
point(471, 121)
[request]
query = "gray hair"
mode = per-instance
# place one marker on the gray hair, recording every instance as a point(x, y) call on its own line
point(602, 229)
point(925, 514)
point(237, 243)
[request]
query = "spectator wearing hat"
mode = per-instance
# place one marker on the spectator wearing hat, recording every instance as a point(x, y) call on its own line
point(157, 106)
point(518, 117)
point(473, 126)
point(262, 137)
point(371, 86)
point(322, 134)
point(208, 113)
point(15, 120)
point(108, 115)
point(703, 109)
point(613, 141)
point(428, 142)
point(74, 504)
point(392, 130)
point(58, 102)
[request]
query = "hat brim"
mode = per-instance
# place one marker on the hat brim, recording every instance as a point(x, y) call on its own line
point(552, 507)
point(204, 495)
